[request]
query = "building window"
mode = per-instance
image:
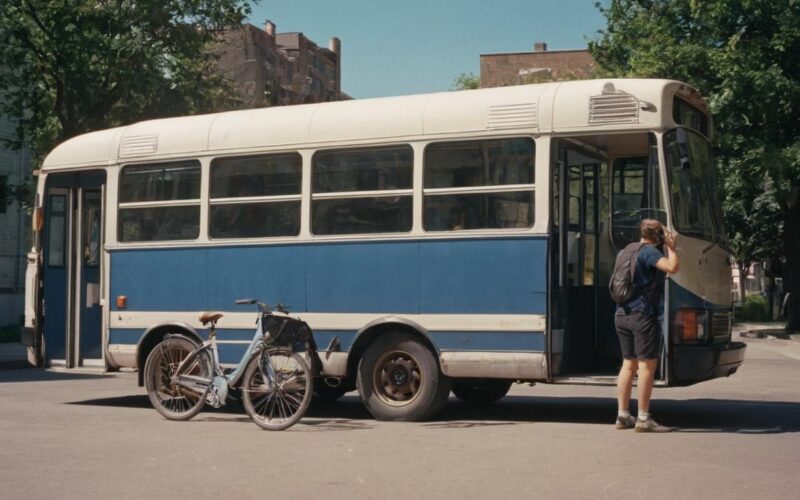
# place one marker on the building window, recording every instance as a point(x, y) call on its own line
point(160, 202)
point(365, 190)
point(257, 196)
point(479, 185)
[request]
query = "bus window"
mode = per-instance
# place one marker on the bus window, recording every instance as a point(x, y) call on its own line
point(56, 239)
point(271, 186)
point(160, 202)
point(628, 198)
point(464, 185)
point(366, 190)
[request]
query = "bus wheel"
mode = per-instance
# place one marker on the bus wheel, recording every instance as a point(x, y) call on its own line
point(399, 379)
point(327, 394)
point(480, 391)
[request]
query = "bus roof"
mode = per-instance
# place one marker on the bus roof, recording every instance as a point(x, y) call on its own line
point(568, 107)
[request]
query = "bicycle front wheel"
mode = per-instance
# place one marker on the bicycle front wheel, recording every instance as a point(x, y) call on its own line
point(277, 388)
point(171, 400)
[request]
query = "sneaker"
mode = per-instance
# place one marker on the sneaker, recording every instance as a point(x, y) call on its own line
point(625, 422)
point(650, 425)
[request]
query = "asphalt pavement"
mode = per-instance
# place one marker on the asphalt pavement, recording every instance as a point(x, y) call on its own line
point(71, 435)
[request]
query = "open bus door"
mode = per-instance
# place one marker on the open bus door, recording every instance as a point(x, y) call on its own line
point(67, 317)
point(603, 187)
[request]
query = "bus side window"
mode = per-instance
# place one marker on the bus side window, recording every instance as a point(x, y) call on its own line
point(484, 184)
point(268, 187)
point(159, 202)
point(361, 191)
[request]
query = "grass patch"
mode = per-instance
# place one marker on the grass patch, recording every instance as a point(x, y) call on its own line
point(9, 334)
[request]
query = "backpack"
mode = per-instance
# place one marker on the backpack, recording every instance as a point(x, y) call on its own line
point(622, 286)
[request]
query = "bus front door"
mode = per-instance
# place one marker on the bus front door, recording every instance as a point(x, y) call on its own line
point(71, 270)
point(576, 209)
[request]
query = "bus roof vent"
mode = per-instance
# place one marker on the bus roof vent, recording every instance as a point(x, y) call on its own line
point(512, 116)
point(613, 106)
point(137, 145)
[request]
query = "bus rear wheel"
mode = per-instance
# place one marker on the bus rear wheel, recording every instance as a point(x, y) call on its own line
point(480, 391)
point(399, 379)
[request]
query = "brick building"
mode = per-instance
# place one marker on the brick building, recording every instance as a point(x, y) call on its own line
point(271, 68)
point(516, 68)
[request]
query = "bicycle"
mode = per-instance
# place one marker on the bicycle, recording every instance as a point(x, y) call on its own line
point(274, 378)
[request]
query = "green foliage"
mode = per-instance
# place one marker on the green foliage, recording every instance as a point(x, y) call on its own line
point(742, 55)
point(70, 67)
point(754, 308)
point(467, 81)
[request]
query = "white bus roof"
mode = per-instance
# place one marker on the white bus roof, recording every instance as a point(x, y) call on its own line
point(559, 107)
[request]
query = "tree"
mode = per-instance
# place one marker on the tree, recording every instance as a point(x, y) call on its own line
point(70, 67)
point(467, 81)
point(744, 56)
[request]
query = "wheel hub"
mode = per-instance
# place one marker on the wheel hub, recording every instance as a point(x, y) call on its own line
point(397, 378)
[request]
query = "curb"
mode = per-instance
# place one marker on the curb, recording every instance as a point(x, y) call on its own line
point(762, 334)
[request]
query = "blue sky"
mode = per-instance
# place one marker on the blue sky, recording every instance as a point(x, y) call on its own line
point(416, 46)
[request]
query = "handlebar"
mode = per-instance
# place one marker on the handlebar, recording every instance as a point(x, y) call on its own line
point(263, 307)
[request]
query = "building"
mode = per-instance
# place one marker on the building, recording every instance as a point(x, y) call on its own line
point(516, 68)
point(14, 228)
point(271, 68)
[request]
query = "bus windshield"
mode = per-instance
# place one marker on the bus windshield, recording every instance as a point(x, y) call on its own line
point(693, 186)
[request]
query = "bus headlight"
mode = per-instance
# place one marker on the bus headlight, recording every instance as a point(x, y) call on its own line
point(689, 325)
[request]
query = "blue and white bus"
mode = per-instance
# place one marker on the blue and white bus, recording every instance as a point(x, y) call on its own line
point(458, 240)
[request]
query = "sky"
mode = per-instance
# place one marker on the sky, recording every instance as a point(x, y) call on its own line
point(399, 47)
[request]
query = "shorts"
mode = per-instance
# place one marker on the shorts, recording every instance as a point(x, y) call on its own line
point(639, 335)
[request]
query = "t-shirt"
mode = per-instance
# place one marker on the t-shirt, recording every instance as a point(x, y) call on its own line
point(646, 272)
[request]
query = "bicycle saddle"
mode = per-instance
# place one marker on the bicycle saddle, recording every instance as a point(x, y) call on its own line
point(209, 317)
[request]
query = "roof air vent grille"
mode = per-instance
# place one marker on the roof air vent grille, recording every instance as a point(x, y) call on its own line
point(512, 116)
point(613, 106)
point(138, 145)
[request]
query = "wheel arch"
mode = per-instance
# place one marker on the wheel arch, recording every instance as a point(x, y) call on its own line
point(367, 335)
point(155, 334)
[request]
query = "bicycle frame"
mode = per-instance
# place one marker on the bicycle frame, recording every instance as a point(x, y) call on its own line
point(193, 382)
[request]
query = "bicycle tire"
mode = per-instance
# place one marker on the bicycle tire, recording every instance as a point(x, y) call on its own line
point(170, 400)
point(276, 407)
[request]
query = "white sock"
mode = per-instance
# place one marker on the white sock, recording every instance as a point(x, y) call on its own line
point(624, 413)
point(644, 415)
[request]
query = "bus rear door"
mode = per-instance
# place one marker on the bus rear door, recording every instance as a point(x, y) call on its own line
point(71, 269)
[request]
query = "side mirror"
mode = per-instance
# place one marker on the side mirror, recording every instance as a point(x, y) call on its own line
point(683, 148)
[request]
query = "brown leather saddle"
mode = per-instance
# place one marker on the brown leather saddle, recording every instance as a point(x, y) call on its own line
point(209, 317)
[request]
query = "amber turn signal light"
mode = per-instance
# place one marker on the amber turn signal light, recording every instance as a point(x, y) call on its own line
point(122, 302)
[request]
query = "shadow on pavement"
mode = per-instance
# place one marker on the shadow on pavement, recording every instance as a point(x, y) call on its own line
point(31, 374)
point(693, 415)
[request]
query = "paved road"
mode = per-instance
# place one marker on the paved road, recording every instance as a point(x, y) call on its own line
point(78, 436)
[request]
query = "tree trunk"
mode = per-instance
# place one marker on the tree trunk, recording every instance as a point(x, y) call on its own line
point(791, 273)
point(742, 280)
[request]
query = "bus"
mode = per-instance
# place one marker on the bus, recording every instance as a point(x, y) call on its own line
point(451, 241)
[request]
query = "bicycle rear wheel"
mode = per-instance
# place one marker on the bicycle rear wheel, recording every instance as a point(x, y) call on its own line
point(173, 401)
point(278, 402)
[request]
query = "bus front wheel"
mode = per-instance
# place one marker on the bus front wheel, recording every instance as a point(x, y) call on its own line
point(399, 379)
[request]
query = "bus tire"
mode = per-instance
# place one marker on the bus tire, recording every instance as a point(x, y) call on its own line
point(399, 379)
point(327, 394)
point(480, 391)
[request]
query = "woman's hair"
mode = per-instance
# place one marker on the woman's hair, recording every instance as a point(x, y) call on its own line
point(652, 230)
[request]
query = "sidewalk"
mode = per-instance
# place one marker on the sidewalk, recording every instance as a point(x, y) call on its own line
point(13, 356)
point(775, 329)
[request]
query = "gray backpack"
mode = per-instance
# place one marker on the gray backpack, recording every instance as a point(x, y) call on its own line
point(622, 286)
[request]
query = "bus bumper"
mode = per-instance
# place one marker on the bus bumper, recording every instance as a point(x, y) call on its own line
point(695, 363)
